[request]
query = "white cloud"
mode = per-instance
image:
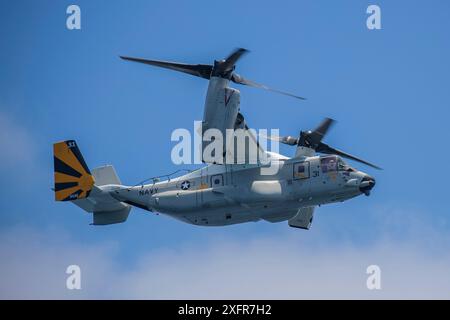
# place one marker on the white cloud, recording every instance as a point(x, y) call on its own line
point(284, 267)
point(34, 264)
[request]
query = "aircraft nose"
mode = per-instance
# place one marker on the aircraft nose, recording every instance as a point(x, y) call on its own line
point(367, 183)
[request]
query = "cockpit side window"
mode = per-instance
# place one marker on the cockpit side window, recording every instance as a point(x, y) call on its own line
point(328, 164)
point(342, 166)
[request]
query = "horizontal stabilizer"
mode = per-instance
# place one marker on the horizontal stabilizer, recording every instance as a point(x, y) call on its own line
point(111, 217)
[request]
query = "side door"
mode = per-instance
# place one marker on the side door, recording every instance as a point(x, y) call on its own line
point(228, 175)
point(203, 184)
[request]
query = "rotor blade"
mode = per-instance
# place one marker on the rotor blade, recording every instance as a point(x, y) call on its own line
point(198, 70)
point(324, 126)
point(324, 148)
point(317, 134)
point(273, 138)
point(291, 141)
point(231, 60)
point(240, 80)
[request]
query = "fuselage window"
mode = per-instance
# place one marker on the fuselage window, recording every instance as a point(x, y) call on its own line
point(301, 170)
point(217, 180)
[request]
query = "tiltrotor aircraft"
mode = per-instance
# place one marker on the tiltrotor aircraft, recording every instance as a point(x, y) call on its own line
point(220, 194)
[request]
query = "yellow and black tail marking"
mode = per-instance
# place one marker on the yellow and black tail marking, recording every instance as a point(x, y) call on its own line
point(73, 180)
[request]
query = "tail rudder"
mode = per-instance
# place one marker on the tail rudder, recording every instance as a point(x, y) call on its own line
point(73, 179)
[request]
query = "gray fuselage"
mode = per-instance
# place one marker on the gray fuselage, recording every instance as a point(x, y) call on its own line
point(218, 195)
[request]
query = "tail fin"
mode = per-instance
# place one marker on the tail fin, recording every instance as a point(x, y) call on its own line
point(105, 175)
point(73, 179)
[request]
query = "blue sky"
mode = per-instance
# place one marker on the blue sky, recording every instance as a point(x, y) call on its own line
point(388, 89)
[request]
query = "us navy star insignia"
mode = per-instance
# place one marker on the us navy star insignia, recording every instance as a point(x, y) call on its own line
point(185, 185)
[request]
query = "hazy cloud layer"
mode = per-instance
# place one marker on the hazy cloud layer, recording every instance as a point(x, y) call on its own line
point(34, 263)
point(16, 143)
